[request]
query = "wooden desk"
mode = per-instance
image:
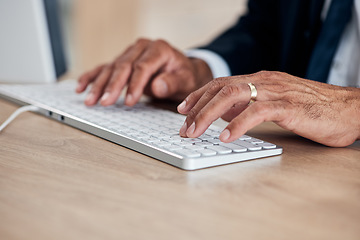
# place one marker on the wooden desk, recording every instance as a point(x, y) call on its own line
point(57, 182)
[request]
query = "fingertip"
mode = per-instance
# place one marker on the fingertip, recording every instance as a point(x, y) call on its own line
point(90, 99)
point(225, 135)
point(80, 87)
point(182, 107)
point(129, 100)
point(190, 132)
point(105, 100)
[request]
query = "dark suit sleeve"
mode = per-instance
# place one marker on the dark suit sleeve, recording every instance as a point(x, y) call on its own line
point(252, 44)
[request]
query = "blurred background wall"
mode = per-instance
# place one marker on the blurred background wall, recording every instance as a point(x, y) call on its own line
point(96, 31)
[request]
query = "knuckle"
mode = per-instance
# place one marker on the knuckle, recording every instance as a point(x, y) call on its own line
point(214, 86)
point(221, 79)
point(108, 67)
point(165, 47)
point(268, 74)
point(123, 65)
point(191, 97)
point(142, 41)
point(229, 90)
point(160, 42)
point(141, 66)
point(209, 94)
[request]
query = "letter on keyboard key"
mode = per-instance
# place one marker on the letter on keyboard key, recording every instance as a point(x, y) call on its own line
point(188, 153)
point(220, 149)
point(234, 147)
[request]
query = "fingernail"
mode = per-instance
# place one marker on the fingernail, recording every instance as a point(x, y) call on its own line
point(161, 87)
point(128, 99)
point(90, 98)
point(105, 96)
point(191, 129)
point(79, 87)
point(225, 135)
point(182, 106)
point(183, 129)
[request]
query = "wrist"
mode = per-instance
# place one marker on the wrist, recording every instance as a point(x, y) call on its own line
point(352, 99)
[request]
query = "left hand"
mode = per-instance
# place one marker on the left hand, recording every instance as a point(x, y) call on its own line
point(322, 112)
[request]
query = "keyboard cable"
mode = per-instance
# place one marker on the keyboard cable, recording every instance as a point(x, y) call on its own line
point(20, 110)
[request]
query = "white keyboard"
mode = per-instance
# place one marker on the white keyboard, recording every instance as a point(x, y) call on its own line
point(143, 128)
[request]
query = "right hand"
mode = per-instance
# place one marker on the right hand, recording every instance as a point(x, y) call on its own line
point(151, 67)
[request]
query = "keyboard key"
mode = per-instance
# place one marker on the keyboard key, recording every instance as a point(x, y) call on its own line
point(188, 153)
point(207, 152)
point(250, 146)
point(215, 141)
point(254, 141)
point(183, 144)
point(162, 143)
point(194, 147)
point(244, 137)
point(191, 140)
point(268, 145)
point(204, 144)
point(234, 147)
point(220, 149)
point(173, 147)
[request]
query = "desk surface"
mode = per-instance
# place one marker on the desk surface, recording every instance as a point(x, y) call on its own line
point(57, 182)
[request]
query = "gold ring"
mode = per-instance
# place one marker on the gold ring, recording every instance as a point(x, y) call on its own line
point(253, 93)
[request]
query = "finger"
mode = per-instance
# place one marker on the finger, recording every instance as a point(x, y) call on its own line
point(233, 112)
point(97, 87)
point(255, 114)
point(121, 74)
point(172, 84)
point(164, 85)
point(88, 77)
point(210, 89)
point(207, 110)
point(150, 63)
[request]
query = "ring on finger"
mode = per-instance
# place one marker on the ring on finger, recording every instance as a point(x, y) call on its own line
point(253, 93)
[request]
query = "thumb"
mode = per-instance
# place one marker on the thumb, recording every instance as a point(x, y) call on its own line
point(165, 85)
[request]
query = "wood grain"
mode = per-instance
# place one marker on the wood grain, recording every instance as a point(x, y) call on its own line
point(57, 182)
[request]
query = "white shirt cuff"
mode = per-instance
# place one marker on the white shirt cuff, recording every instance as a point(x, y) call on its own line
point(216, 63)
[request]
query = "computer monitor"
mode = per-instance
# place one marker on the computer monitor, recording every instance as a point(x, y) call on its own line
point(31, 48)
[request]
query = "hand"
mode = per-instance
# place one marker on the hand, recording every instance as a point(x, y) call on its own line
point(321, 112)
point(153, 67)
